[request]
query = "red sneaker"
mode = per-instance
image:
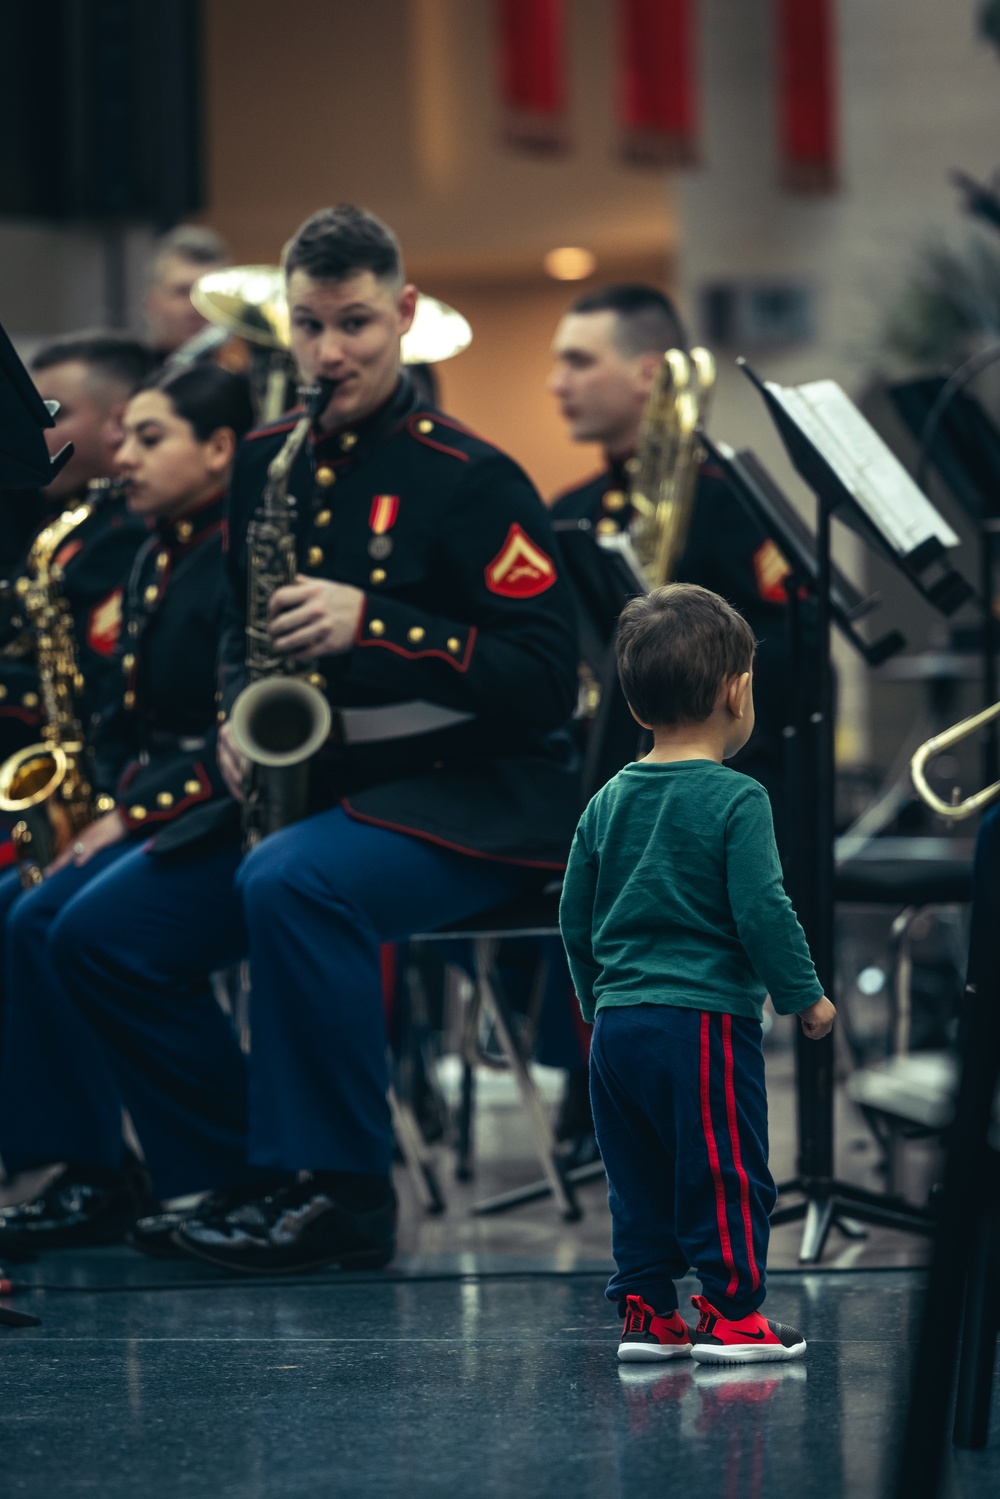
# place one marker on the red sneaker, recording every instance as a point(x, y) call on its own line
point(751, 1340)
point(648, 1338)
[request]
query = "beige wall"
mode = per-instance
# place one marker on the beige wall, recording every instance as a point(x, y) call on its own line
point(391, 104)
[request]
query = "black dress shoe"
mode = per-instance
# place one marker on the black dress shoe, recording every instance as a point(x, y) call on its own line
point(80, 1207)
point(154, 1234)
point(323, 1220)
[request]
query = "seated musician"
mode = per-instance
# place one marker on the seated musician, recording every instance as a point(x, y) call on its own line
point(91, 375)
point(429, 606)
point(179, 258)
point(153, 754)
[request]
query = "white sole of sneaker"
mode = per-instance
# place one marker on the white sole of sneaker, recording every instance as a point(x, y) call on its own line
point(747, 1353)
point(651, 1353)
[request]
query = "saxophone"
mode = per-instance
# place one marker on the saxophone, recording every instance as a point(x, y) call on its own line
point(281, 718)
point(48, 785)
point(665, 468)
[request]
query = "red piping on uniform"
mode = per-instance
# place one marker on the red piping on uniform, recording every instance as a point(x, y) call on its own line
point(441, 447)
point(713, 1157)
point(167, 814)
point(399, 650)
point(734, 1139)
point(455, 848)
point(272, 430)
point(26, 715)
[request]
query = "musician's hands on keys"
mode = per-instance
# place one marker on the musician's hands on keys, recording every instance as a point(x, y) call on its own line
point(817, 1020)
point(231, 762)
point(109, 829)
point(314, 617)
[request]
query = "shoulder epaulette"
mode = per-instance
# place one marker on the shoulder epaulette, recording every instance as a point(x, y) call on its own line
point(444, 434)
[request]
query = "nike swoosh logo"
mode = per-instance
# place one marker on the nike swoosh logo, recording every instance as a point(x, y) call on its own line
point(756, 1337)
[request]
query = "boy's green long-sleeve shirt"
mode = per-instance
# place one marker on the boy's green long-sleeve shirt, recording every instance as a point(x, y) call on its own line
point(673, 895)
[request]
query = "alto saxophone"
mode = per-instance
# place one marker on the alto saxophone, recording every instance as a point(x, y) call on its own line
point(48, 785)
point(665, 469)
point(281, 718)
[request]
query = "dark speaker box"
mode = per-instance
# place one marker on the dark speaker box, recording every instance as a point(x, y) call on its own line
point(100, 109)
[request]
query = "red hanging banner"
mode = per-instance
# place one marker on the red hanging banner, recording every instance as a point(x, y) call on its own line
point(807, 106)
point(658, 88)
point(532, 37)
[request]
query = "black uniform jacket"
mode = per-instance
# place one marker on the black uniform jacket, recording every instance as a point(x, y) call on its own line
point(154, 743)
point(727, 552)
point(464, 610)
point(94, 559)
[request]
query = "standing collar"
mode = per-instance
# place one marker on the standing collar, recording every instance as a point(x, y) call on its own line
point(194, 525)
point(351, 438)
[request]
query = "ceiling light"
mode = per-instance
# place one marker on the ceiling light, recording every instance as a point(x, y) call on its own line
point(570, 263)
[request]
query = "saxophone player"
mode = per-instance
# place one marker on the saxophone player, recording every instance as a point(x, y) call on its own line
point(154, 754)
point(91, 376)
point(428, 604)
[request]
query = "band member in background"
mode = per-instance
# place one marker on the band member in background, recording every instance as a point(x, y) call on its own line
point(607, 351)
point(428, 603)
point(154, 755)
point(179, 258)
point(92, 376)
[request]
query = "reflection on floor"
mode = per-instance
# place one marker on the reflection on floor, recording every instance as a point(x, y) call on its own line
point(450, 1385)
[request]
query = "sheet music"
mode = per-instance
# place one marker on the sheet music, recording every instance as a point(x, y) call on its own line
point(866, 467)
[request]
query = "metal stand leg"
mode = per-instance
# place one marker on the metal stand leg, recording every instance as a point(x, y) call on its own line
point(538, 1120)
point(463, 1124)
point(980, 1325)
point(416, 1156)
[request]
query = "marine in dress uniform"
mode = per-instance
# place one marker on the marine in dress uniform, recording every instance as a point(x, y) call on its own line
point(153, 754)
point(449, 786)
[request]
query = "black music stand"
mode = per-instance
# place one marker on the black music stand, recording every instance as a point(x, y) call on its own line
point(851, 472)
point(24, 464)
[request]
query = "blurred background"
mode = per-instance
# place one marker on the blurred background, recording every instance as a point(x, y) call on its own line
point(780, 166)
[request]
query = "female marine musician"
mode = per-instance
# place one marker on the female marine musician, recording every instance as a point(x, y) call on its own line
point(153, 742)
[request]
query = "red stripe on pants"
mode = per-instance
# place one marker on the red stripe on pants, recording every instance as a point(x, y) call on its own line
point(713, 1157)
point(734, 1140)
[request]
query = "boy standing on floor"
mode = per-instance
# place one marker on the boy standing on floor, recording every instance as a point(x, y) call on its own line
point(676, 926)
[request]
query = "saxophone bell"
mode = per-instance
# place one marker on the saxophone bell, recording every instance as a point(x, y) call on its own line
point(279, 721)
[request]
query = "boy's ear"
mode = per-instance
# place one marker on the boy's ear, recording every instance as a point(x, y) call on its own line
point(736, 693)
point(641, 722)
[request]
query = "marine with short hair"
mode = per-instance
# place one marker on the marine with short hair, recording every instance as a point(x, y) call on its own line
point(429, 607)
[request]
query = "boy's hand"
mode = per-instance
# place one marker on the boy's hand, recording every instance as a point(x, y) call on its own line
point(817, 1021)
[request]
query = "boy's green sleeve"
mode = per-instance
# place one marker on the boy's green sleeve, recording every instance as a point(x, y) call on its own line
point(576, 921)
point(765, 919)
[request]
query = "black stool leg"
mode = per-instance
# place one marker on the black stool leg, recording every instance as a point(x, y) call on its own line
point(979, 1334)
point(463, 1124)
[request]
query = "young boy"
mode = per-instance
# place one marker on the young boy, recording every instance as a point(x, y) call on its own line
point(676, 925)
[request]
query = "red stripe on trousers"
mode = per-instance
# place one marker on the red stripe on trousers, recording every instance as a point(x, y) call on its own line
point(713, 1157)
point(734, 1140)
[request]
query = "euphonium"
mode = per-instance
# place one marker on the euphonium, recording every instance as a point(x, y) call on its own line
point(48, 785)
point(280, 719)
point(665, 468)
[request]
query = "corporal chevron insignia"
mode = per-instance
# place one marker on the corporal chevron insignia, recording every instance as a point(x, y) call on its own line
point(520, 569)
point(104, 624)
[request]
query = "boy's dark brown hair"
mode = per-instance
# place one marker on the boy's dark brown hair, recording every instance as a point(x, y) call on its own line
point(675, 647)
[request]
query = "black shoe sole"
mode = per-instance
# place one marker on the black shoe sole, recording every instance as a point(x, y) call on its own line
point(355, 1259)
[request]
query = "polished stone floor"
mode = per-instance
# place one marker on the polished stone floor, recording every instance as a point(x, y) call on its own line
point(433, 1381)
point(483, 1365)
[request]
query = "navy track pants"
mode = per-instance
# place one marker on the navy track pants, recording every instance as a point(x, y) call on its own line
point(680, 1110)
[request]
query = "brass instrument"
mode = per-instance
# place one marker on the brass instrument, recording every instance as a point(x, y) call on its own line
point(48, 785)
point(280, 719)
point(665, 468)
point(954, 810)
point(249, 300)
